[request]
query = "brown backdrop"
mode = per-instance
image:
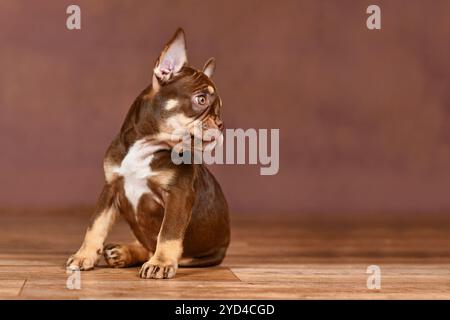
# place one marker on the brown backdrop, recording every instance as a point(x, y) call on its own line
point(363, 115)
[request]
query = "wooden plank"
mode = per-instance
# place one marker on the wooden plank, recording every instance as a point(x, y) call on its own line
point(279, 257)
point(10, 289)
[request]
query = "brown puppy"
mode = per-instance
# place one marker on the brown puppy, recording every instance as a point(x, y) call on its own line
point(178, 213)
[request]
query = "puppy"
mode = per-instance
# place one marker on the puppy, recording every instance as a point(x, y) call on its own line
point(177, 213)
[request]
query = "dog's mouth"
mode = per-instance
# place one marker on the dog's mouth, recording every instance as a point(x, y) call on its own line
point(197, 135)
point(205, 143)
point(208, 135)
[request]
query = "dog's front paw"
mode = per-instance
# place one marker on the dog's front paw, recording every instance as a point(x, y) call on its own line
point(154, 269)
point(83, 262)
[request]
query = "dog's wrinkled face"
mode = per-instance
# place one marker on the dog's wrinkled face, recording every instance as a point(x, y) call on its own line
point(185, 98)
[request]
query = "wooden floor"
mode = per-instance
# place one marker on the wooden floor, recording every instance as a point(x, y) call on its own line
point(276, 257)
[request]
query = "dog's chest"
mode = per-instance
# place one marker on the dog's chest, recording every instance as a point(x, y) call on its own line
point(136, 170)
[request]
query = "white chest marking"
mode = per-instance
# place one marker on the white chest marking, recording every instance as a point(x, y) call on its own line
point(135, 169)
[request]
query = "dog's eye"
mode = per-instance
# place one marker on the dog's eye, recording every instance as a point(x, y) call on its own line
point(201, 99)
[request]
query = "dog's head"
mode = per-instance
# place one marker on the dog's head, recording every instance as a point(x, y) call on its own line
point(183, 97)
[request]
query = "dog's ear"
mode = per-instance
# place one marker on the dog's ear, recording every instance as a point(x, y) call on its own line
point(172, 58)
point(209, 67)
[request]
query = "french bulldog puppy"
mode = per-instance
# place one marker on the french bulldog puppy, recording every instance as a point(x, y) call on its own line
point(177, 212)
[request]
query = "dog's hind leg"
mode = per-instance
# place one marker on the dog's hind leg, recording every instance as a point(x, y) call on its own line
point(205, 261)
point(125, 255)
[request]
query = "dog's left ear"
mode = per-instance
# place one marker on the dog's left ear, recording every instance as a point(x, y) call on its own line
point(172, 58)
point(209, 67)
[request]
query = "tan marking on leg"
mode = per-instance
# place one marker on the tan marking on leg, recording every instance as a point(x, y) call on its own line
point(164, 263)
point(97, 233)
point(91, 249)
point(168, 250)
